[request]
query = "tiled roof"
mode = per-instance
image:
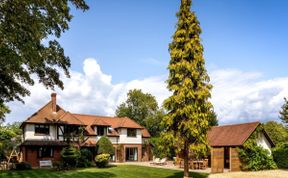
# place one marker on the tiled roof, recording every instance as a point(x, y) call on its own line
point(231, 135)
point(89, 130)
point(45, 115)
point(114, 122)
point(145, 133)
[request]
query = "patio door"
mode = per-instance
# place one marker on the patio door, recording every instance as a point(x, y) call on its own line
point(132, 154)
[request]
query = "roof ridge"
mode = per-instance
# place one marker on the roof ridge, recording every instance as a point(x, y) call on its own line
point(74, 117)
point(251, 133)
point(96, 115)
point(229, 125)
point(101, 121)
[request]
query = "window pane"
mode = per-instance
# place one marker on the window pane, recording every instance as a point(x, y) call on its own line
point(131, 132)
point(101, 131)
point(45, 152)
point(42, 129)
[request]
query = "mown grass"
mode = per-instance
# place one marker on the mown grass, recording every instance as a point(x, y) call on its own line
point(120, 171)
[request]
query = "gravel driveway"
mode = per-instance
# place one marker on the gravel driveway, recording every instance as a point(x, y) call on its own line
point(260, 174)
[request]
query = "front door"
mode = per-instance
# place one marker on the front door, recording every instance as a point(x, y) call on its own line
point(217, 160)
point(132, 154)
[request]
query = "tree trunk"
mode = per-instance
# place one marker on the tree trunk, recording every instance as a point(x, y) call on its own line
point(186, 159)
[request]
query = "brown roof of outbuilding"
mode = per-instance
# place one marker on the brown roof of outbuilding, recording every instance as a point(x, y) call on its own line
point(231, 135)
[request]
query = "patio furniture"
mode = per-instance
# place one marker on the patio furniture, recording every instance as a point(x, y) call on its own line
point(162, 162)
point(195, 164)
point(155, 161)
point(205, 165)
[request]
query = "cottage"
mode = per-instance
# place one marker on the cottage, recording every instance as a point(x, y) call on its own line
point(46, 131)
point(224, 140)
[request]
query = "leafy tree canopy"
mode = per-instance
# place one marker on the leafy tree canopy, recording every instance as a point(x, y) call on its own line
point(143, 108)
point(28, 45)
point(280, 155)
point(276, 131)
point(10, 136)
point(284, 112)
point(187, 121)
point(212, 118)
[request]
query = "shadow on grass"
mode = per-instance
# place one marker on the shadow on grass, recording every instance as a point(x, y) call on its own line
point(91, 174)
point(192, 174)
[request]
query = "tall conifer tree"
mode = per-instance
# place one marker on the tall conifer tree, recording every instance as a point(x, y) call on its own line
point(284, 112)
point(188, 108)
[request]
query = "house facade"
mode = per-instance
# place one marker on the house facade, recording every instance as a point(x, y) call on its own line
point(47, 131)
point(224, 141)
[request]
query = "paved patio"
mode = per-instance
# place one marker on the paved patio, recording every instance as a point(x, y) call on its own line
point(169, 165)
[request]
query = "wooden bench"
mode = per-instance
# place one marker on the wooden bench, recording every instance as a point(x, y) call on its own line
point(45, 163)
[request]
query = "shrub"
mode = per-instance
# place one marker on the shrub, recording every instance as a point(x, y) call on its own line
point(102, 160)
point(58, 165)
point(255, 158)
point(104, 146)
point(280, 155)
point(85, 158)
point(22, 166)
point(161, 149)
point(70, 156)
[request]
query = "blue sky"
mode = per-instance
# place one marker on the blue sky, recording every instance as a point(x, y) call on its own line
point(130, 39)
point(123, 44)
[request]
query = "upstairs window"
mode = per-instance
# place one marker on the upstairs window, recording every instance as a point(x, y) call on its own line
point(101, 131)
point(45, 152)
point(41, 129)
point(131, 132)
point(71, 130)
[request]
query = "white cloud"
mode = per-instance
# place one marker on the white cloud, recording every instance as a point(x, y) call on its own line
point(90, 92)
point(244, 96)
point(237, 96)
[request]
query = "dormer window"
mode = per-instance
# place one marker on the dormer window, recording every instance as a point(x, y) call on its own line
point(131, 132)
point(101, 131)
point(110, 130)
point(41, 129)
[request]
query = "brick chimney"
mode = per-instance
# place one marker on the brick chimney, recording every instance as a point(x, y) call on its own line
point(53, 100)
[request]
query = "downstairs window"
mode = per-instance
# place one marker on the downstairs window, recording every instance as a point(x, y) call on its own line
point(45, 152)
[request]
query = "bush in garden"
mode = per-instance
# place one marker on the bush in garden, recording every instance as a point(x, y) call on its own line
point(70, 156)
point(280, 155)
point(161, 149)
point(254, 157)
point(22, 166)
point(102, 160)
point(104, 146)
point(85, 158)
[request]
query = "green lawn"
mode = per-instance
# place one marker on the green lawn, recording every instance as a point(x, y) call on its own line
point(122, 171)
